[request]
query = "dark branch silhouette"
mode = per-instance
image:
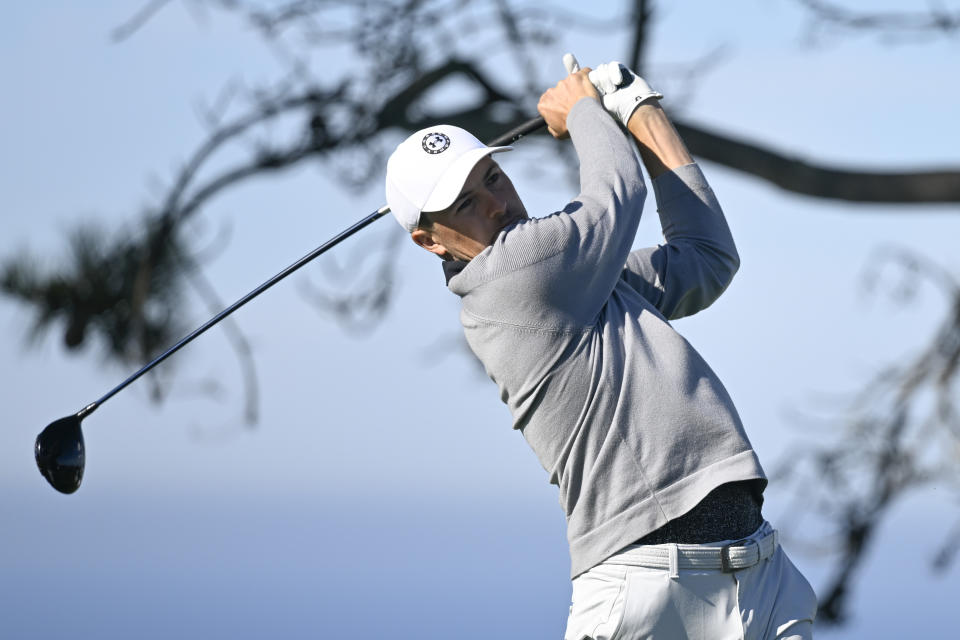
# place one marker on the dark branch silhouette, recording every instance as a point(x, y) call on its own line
point(900, 434)
point(899, 24)
point(821, 181)
point(105, 289)
point(140, 18)
point(357, 306)
point(642, 18)
point(238, 340)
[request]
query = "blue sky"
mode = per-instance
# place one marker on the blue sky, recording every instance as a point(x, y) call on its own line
point(383, 493)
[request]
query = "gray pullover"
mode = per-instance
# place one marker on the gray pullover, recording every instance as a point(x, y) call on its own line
point(628, 420)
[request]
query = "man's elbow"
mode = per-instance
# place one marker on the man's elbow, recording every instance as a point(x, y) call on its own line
point(722, 264)
point(733, 260)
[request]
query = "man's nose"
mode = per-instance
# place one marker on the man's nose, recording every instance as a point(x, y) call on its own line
point(496, 207)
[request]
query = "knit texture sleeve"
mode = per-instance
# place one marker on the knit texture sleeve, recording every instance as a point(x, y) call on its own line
point(699, 259)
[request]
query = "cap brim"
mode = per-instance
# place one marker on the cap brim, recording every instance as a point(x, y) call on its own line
point(453, 179)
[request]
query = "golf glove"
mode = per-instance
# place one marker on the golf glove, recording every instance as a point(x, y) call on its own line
point(621, 90)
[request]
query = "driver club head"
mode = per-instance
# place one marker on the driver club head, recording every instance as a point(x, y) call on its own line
point(60, 454)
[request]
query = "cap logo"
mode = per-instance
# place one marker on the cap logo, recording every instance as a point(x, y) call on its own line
point(435, 142)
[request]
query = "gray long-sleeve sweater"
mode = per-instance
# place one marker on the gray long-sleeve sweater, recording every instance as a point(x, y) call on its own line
point(625, 416)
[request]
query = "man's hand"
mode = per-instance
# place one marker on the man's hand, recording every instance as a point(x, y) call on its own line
point(555, 103)
point(622, 90)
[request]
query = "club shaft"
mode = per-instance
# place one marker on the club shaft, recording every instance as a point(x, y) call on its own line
point(507, 138)
point(343, 235)
point(516, 133)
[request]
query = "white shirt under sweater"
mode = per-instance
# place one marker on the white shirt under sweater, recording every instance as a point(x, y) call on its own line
point(625, 416)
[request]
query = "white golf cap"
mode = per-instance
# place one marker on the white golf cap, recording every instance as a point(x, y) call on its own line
point(428, 170)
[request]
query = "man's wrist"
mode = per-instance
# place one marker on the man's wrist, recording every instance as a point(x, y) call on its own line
point(661, 148)
point(646, 112)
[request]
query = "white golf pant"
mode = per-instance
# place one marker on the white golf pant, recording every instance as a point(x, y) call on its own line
point(697, 592)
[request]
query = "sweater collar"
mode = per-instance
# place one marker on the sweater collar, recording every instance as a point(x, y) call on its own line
point(452, 268)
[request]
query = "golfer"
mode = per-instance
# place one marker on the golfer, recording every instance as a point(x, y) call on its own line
point(661, 488)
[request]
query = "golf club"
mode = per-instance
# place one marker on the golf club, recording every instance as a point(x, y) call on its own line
point(59, 448)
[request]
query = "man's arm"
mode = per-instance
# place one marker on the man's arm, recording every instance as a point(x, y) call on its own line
point(559, 270)
point(699, 258)
point(661, 148)
point(629, 99)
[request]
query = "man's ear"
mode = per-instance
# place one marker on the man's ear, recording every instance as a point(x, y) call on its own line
point(427, 240)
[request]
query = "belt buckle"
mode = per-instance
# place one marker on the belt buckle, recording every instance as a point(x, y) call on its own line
point(725, 563)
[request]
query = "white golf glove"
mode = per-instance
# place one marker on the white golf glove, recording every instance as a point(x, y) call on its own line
point(621, 90)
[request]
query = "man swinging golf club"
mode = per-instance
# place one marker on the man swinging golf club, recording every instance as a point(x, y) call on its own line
point(660, 485)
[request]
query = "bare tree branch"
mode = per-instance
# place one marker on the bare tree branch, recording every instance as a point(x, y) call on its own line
point(642, 18)
point(893, 440)
point(140, 18)
point(933, 21)
point(820, 181)
point(365, 294)
point(231, 328)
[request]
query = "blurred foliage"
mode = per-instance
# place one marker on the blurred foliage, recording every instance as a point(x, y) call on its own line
point(899, 435)
point(112, 286)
